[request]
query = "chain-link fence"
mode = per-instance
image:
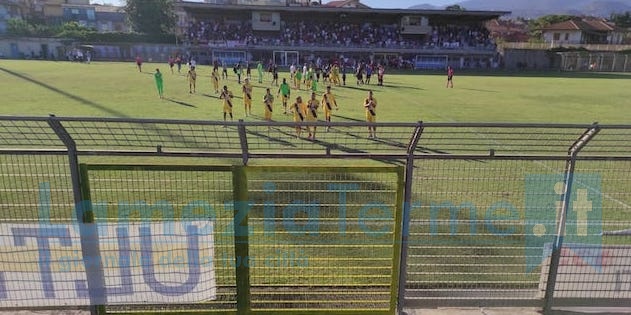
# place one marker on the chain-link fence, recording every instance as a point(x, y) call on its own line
point(595, 61)
point(165, 216)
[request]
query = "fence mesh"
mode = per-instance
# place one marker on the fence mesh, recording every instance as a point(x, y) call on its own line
point(323, 240)
point(484, 213)
point(173, 197)
point(468, 231)
point(603, 61)
point(35, 188)
point(36, 196)
point(34, 133)
point(602, 269)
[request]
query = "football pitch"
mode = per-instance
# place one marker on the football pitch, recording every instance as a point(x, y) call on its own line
point(106, 89)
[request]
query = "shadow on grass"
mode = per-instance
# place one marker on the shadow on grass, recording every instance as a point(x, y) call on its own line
point(174, 137)
point(390, 86)
point(348, 118)
point(211, 96)
point(180, 102)
point(66, 94)
point(479, 90)
point(360, 88)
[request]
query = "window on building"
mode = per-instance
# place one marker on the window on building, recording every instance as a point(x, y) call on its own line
point(567, 36)
point(90, 15)
point(556, 36)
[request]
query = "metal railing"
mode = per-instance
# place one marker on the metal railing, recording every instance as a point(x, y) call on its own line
point(496, 214)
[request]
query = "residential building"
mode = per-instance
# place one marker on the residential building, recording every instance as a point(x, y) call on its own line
point(508, 30)
point(10, 9)
point(111, 19)
point(84, 14)
point(583, 31)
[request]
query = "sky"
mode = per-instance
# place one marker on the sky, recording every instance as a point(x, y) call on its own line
point(382, 4)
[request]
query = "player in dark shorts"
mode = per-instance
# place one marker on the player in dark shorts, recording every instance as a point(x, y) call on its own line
point(359, 74)
point(450, 77)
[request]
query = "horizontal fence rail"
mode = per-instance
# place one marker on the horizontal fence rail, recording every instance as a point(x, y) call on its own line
point(103, 212)
point(118, 136)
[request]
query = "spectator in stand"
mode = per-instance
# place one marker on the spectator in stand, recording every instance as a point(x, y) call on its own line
point(313, 32)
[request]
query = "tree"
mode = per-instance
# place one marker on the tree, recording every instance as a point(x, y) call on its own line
point(19, 27)
point(622, 20)
point(536, 25)
point(455, 7)
point(151, 16)
point(74, 30)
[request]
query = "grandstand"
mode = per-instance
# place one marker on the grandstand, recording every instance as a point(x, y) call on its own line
point(394, 37)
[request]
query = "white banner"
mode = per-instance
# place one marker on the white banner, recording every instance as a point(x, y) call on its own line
point(142, 263)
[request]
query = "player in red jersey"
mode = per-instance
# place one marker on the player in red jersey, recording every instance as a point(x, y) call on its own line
point(450, 77)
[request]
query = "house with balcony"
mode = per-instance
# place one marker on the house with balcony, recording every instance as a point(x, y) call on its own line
point(111, 19)
point(580, 31)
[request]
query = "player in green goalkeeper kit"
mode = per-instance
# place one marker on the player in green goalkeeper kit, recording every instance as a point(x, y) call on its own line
point(159, 83)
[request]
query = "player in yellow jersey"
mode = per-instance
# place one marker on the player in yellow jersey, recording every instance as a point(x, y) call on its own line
point(247, 96)
point(312, 114)
point(370, 104)
point(268, 100)
point(328, 102)
point(226, 96)
point(335, 75)
point(192, 79)
point(214, 78)
point(300, 112)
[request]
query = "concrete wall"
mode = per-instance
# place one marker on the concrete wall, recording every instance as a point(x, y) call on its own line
point(528, 59)
point(27, 48)
point(32, 48)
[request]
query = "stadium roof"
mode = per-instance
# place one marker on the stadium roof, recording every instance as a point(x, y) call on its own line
point(200, 7)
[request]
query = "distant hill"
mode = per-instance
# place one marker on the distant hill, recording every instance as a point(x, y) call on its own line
point(535, 8)
point(426, 6)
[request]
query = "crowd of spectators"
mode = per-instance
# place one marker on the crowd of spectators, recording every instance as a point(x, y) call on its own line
point(341, 34)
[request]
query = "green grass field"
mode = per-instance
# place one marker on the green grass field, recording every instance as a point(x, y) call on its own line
point(39, 88)
point(119, 90)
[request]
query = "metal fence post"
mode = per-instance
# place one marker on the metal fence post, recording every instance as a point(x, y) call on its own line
point(85, 218)
point(241, 239)
point(557, 246)
point(407, 207)
point(244, 142)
